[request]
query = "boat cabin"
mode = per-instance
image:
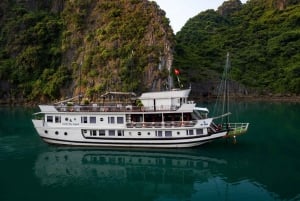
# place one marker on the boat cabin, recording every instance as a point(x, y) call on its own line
point(165, 100)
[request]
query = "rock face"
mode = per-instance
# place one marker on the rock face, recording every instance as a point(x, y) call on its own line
point(54, 6)
point(126, 44)
point(100, 45)
point(282, 4)
point(276, 4)
point(211, 89)
point(229, 7)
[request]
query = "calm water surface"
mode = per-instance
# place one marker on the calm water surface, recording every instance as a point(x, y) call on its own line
point(263, 165)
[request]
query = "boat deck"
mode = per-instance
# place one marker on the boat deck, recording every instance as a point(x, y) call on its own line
point(112, 108)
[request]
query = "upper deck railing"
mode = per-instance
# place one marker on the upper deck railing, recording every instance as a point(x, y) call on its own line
point(113, 108)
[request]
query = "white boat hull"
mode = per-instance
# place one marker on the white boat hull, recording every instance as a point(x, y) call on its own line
point(74, 137)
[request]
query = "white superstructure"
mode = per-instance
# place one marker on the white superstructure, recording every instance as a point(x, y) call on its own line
point(159, 119)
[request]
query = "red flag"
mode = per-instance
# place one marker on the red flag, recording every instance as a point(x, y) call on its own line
point(176, 71)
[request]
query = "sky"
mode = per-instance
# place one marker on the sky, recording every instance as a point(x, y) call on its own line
point(179, 11)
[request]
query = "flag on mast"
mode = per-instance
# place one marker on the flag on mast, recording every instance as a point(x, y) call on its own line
point(177, 72)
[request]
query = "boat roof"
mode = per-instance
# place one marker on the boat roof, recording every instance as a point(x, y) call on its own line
point(175, 93)
point(202, 109)
point(109, 93)
point(47, 108)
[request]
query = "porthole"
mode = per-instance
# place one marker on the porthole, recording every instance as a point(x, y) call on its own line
point(101, 119)
point(56, 132)
point(139, 133)
point(46, 131)
point(66, 119)
point(66, 133)
point(178, 133)
point(148, 133)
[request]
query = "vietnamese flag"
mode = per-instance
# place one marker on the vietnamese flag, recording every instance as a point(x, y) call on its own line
point(176, 71)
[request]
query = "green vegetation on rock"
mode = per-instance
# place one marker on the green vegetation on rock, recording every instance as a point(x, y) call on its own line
point(113, 44)
point(262, 36)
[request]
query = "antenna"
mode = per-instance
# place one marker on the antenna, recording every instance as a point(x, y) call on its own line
point(80, 82)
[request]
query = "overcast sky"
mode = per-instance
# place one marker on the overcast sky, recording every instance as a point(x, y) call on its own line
point(179, 11)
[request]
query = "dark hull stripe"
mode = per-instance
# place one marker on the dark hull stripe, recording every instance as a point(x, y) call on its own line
point(132, 143)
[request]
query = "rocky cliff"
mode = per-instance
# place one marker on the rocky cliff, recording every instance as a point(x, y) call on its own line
point(229, 7)
point(118, 46)
point(54, 48)
point(262, 37)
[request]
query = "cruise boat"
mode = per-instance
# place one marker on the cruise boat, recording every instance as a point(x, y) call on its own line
point(165, 119)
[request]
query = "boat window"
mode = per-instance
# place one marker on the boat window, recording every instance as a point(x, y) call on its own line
point(57, 119)
point(139, 133)
point(199, 131)
point(111, 132)
point(172, 117)
point(101, 119)
point(92, 120)
point(93, 132)
point(187, 117)
point(49, 118)
point(101, 132)
point(137, 118)
point(158, 133)
point(190, 132)
point(111, 120)
point(168, 133)
point(120, 133)
point(120, 120)
point(84, 120)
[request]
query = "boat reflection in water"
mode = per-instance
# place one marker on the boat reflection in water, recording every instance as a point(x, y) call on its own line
point(68, 166)
point(128, 175)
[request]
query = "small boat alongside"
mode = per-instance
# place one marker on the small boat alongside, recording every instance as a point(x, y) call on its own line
point(165, 119)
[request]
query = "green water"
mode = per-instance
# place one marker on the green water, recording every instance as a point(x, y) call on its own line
point(263, 165)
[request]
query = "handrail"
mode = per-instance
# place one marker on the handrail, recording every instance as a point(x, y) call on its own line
point(112, 108)
point(236, 125)
point(236, 128)
point(166, 124)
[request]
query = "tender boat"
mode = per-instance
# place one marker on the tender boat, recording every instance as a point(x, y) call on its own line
point(165, 119)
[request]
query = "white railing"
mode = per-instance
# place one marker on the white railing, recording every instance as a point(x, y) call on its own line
point(167, 124)
point(113, 108)
point(236, 128)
